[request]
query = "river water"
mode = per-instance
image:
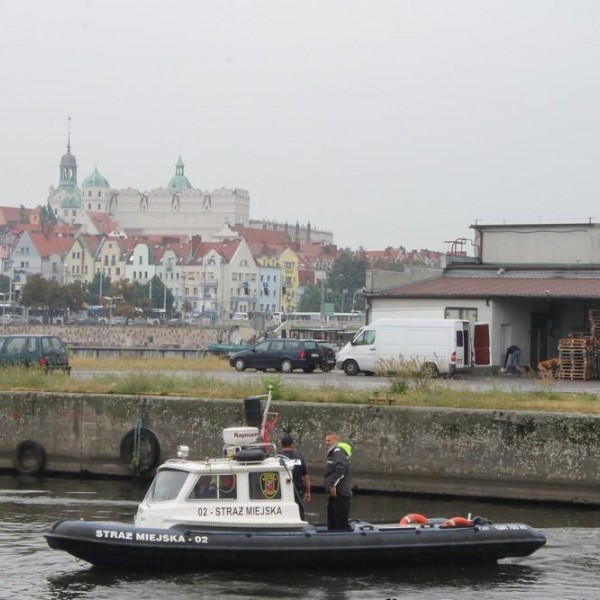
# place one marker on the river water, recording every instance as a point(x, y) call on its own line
point(567, 568)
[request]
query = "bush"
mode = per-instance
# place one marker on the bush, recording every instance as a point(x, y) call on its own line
point(406, 374)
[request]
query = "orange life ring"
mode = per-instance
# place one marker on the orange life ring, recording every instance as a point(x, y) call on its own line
point(457, 522)
point(414, 519)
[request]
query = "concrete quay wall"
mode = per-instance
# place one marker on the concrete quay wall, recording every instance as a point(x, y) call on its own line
point(123, 336)
point(494, 454)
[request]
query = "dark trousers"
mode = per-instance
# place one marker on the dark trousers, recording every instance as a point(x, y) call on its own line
point(300, 502)
point(338, 510)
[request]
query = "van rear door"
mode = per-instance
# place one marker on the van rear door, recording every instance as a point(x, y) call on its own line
point(481, 343)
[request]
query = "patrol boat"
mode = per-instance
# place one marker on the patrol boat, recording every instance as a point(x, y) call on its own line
point(238, 511)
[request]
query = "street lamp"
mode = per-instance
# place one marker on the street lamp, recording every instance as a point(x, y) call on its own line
point(111, 302)
point(101, 273)
point(358, 292)
point(4, 309)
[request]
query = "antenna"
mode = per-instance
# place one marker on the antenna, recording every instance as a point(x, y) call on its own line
point(68, 135)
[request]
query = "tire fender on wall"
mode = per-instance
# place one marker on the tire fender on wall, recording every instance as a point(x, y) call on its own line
point(148, 451)
point(30, 457)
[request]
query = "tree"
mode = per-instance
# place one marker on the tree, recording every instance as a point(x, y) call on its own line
point(347, 273)
point(50, 296)
point(4, 284)
point(310, 301)
point(97, 288)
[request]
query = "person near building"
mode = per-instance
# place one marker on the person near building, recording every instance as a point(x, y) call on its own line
point(337, 482)
point(300, 473)
point(512, 360)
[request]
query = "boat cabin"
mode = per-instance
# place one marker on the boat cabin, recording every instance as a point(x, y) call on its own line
point(250, 487)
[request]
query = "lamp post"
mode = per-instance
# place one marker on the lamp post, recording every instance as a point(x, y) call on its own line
point(100, 272)
point(111, 301)
point(4, 309)
point(359, 292)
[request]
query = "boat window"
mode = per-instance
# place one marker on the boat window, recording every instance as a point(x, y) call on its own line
point(222, 487)
point(264, 486)
point(166, 486)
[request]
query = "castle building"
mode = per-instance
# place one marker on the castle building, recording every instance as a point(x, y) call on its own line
point(178, 208)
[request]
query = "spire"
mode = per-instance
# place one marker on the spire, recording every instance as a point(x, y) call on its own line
point(69, 135)
point(68, 166)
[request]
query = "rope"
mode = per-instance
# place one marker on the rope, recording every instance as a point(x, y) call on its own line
point(136, 455)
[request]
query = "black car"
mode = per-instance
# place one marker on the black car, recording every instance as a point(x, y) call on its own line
point(280, 354)
point(328, 356)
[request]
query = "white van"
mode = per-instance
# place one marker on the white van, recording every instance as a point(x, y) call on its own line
point(441, 345)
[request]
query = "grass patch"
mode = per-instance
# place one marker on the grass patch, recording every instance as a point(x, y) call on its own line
point(142, 377)
point(129, 363)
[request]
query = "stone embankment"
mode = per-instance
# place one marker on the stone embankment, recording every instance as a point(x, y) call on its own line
point(495, 454)
point(127, 336)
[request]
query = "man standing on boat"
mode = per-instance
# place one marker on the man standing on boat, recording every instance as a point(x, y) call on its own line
point(299, 474)
point(337, 482)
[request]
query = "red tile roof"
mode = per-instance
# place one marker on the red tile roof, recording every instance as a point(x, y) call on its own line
point(497, 287)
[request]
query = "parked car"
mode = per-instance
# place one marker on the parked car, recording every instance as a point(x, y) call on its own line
point(280, 354)
point(328, 363)
point(47, 351)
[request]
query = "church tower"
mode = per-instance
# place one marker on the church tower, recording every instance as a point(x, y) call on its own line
point(68, 167)
point(65, 200)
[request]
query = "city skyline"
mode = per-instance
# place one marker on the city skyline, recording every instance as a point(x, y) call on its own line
point(389, 123)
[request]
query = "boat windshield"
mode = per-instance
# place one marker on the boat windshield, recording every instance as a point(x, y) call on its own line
point(166, 485)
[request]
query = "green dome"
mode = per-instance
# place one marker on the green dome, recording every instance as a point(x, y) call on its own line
point(179, 181)
point(95, 180)
point(71, 201)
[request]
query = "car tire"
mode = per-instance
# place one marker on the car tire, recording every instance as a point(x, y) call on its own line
point(286, 365)
point(351, 368)
point(240, 364)
point(308, 369)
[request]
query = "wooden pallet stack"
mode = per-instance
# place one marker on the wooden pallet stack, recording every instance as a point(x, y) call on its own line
point(577, 357)
point(594, 317)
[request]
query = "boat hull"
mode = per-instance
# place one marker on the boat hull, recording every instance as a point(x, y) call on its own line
point(116, 545)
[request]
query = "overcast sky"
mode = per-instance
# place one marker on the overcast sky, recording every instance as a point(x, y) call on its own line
point(387, 122)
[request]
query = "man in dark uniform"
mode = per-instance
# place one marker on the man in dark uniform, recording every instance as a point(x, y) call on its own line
point(299, 474)
point(337, 482)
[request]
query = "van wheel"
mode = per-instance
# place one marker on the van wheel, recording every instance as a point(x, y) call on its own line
point(351, 367)
point(286, 366)
point(430, 370)
point(240, 364)
point(308, 369)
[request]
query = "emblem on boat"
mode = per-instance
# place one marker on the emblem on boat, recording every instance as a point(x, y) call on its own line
point(269, 485)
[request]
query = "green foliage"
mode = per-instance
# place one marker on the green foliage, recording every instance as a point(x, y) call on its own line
point(4, 285)
point(347, 273)
point(310, 300)
point(43, 293)
point(274, 383)
point(404, 375)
